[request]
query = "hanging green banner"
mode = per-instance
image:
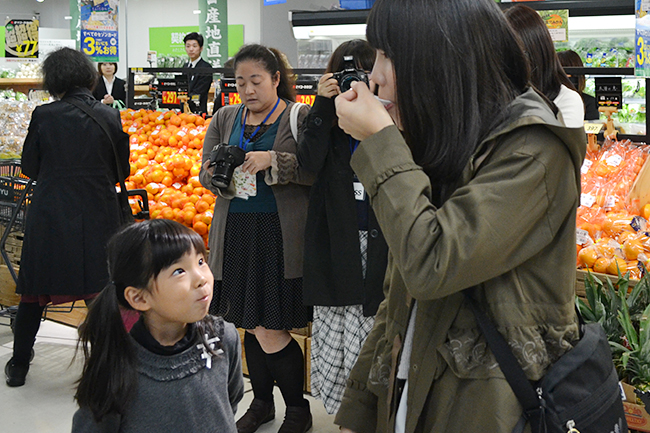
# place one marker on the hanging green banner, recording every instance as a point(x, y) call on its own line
point(98, 33)
point(213, 26)
point(21, 39)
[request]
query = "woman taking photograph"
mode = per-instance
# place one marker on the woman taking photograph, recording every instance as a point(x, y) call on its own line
point(345, 252)
point(479, 192)
point(257, 235)
point(74, 209)
point(109, 89)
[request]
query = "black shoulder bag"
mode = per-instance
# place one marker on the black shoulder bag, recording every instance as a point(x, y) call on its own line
point(126, 214)
point(578, 393)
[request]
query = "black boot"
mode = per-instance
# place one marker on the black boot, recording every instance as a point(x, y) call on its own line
point(258, 413)
point(16, 373)
point(297, 420)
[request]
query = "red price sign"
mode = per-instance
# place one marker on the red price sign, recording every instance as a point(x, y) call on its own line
point(306, 99)
point(169, 97)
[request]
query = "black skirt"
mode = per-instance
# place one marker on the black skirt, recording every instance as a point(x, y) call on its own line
point(253, 291)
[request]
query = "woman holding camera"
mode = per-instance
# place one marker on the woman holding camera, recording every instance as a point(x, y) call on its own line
point(257, 235)
point(345, 251)
point(475, 184)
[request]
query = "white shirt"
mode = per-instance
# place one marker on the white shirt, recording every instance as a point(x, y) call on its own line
point(109, 85)
point(571, 106)
point(192, 64)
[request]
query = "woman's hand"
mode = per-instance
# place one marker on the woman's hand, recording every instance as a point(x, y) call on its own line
point(328, 86)
point(360, 113)
point(256, 161)
point(207, 168)
point(108, 99)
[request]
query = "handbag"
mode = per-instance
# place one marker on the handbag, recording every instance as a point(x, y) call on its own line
point(578, 393)
point(126, 214)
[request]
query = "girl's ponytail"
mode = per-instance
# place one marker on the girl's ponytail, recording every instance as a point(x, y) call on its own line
point(109, 376)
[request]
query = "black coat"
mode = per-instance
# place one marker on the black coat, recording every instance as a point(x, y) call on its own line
point(118, 92)
point(332, 273)
point(74, 208)
point(591, 108)
point(199, 85)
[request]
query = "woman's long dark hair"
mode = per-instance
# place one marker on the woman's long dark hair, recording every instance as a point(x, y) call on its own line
point(363, 53)
point(136, 255)
point(571, 58)
point(546, 72)
point(453, 93)
point(272, 61)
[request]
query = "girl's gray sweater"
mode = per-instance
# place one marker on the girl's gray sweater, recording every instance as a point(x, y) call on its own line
point(191, 391)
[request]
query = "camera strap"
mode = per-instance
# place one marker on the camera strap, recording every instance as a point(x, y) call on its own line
point(243, 126)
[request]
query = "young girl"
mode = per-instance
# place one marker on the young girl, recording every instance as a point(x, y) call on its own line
point(179, 369)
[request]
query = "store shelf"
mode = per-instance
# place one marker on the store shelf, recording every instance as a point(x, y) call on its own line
point(21, 81)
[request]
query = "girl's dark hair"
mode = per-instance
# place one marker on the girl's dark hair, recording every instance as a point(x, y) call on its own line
point(364, 55)
point(272, 61)
point(458, 91)
point(571, 58)
point(136, 255)
point(99, 67)
point(546, 72)
point(66, 69)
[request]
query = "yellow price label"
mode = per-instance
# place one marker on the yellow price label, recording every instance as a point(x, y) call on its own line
point(593, 128)
point(169, 97)
point(640, 43)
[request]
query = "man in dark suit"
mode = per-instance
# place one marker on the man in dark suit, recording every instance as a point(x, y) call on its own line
point(197, 85)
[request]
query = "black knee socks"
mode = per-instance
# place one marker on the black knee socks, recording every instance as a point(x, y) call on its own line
point(288, 369)
point(258, 371)
point(26, 324)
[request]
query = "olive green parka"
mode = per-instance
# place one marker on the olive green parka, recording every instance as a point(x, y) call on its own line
point(508, 231)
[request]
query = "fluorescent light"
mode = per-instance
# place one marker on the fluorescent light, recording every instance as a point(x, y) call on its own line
point(40, 1)
point(308, 32)
point(596, 24)
point(195, 11)
point(67, 17)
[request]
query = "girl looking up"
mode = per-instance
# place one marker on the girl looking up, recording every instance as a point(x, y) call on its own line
point(179, 369)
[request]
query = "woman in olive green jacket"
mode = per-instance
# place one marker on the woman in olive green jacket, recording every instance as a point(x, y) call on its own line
point(478, 192)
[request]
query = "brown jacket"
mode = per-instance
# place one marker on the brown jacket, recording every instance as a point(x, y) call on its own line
point(508, 230)
point(291, 196)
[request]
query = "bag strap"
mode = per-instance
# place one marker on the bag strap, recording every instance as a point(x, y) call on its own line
point(530, 400)
point(293, 119)
point(89, 111)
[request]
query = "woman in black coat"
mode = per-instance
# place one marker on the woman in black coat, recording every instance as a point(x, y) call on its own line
point(108, 79)
point(74, 208)
point(345, 251)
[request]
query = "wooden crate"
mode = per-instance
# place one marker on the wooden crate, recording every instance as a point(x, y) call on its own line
point(581, 275)
point(68, 314)
point(8, 296)
point(14, 248)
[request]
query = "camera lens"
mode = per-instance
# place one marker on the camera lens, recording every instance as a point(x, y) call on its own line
point(347, 81)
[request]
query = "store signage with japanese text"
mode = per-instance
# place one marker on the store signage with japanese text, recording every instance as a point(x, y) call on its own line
point(557, 22)
point(21, 39)
point(99, 29)
point(642, 38)
point(214, 28)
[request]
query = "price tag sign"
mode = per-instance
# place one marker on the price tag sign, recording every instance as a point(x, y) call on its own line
point(593, 128)
point(557, 22)
point(21, 39)
point(169, 97)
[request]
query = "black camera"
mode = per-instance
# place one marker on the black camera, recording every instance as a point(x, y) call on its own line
point(225, 158)
point(349, 74)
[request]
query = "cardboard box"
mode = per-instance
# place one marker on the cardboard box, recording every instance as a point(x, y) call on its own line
point(636, 415)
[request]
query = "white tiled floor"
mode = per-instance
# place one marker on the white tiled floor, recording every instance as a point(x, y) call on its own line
point(45, 403)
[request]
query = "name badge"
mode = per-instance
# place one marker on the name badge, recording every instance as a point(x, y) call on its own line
point(359, 191)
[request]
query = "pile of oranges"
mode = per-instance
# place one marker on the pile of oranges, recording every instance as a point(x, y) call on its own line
point(611, 227)
point(165, 160)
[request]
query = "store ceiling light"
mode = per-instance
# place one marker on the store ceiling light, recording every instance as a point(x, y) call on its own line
point(195, 11)
point(67, 17)
point(40, 1)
